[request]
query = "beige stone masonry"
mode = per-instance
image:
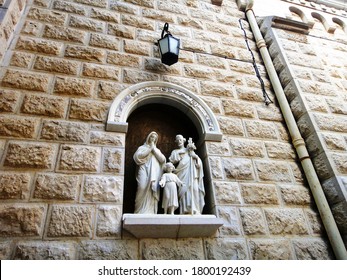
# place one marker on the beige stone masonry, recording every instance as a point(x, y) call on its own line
point(63, 170)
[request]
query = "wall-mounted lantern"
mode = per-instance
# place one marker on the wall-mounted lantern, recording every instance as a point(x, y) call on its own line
point(169, 47)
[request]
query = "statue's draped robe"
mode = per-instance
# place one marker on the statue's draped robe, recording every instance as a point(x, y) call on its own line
point(149, 171)
point(170, 182)
point(191, 196)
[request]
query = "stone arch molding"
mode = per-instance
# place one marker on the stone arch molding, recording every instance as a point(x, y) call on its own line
point(163, 93)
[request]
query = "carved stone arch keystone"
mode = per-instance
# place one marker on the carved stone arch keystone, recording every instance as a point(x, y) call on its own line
point(163, 93)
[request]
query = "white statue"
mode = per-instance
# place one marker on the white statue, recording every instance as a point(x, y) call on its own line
point(189, 170)
point(149, 160)
point(170, 182)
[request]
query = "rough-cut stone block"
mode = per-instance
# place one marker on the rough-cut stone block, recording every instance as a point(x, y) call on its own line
point(39, 45)
point(8, 100)
point(56, 186)
point(247, 148)
point(270, 249)
point(286, 221)
point(331, 123)
point(214, 104)
point(64, 34)
point(231, 225)
point(14, 185)
point(64, 131)
point(104, 41)
point(312, 249)
point(238, 109)
point(340, 215)
point(48, 16)
point(100, 71)
point(21, 220)
point(109, 90)
point(105, 15)
point(85, 53)
point(158, 15)
point(337, 107)
point(44, 105)
point(70, 221)
point(280, 150)
point(109, 221)
point(218, 148)
point(323, 166)
point(6, 250)
point(316, 103)
point(106, 138)
point(334, 142)
point(79, 158)
point(259, 194)
point(231, 126)
point(273, 171)
point(32, 28)
point(74, 86)
point(185, 82)
point(199, 71)
point(253, 221)
point(53, 64)
point(21, 59)
point(216, 168)
point(314, 221)
point(30, 155)
point(238, 168)
point(138, 22)
point(227, 193)
point(26, 80)
point(226, 249)
point(44, 250)
point(121, 59)
point(217, 89)
point(18, 127)
point(88, 110)
point(170, 249)
point(113, 160)
point(96, 3)
point(208, 60)
point(121, 31)
point(69, 8)
point(247, 94)
point(134, 77)
point(103, 188)
point(261, 130)
point(295, 195)
point(138, 48)
point(108, 250)
point(86, 23)
point(155, 65)
point(340, 161)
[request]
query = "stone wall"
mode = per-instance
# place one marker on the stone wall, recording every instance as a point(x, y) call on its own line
point(311, 64)
point(61, 180)
point(10, 14)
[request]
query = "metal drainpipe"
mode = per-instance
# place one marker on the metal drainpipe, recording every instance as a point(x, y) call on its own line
point(298, 142)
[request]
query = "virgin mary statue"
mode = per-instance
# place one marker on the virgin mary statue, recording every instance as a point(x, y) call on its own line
point(149, 160)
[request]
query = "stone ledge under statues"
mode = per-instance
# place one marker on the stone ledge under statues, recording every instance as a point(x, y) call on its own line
point(171, 226)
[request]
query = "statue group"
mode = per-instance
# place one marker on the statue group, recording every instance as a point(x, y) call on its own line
point(181, 178)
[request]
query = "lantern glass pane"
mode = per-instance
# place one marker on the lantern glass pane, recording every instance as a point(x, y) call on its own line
point(164, 45)
point(173, 45)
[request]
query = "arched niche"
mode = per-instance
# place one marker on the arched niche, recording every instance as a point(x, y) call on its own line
point(163, 93)
point(148, 100)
